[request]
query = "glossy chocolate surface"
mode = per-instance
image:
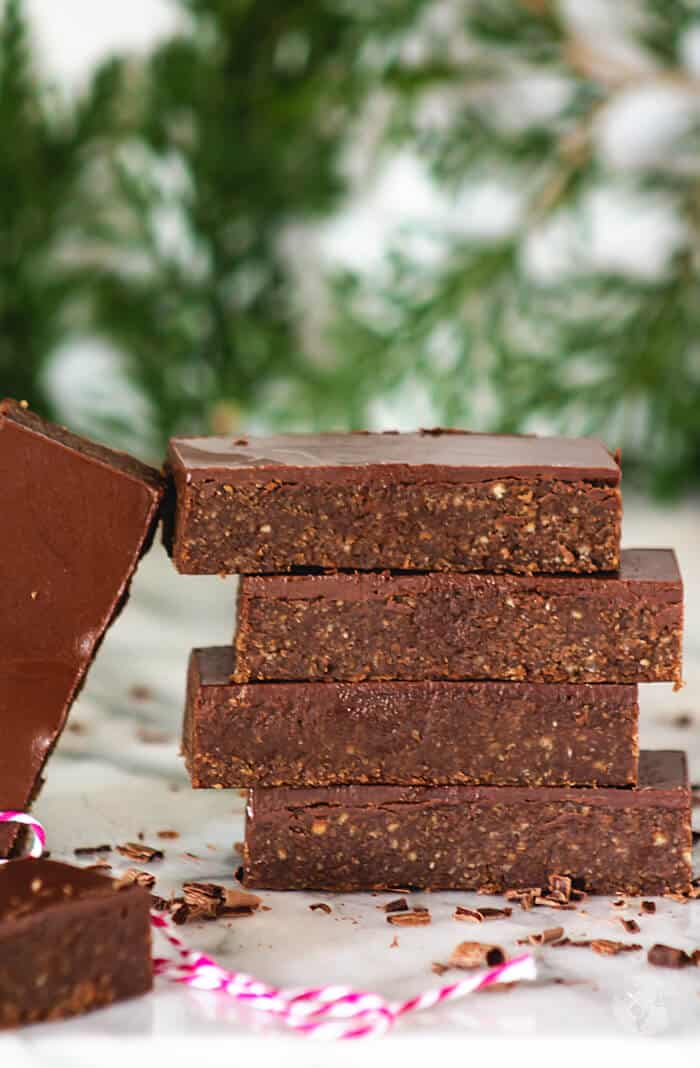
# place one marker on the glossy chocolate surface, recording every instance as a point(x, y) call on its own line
point(75, 519)
point(437, 455)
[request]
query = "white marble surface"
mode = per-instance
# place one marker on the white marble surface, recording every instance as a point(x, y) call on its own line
point(106, 784)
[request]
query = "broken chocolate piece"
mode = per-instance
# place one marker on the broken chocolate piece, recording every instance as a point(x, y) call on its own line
point(75, 520)
point(71, 941)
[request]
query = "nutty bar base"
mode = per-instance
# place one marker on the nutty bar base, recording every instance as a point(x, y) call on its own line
point(567, 628)
point(71, 941)
point(468, 837)
point(435, 501)
point(311, 734)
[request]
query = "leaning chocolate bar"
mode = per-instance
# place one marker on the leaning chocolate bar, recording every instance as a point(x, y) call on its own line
point(71, 940)
point(311, 734)
point(75, 519)
point(542, 628)
point(436, 501)
point(344, 838)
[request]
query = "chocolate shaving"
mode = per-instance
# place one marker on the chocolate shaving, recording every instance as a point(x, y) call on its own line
point(88, 851)
point(160, 904)
point(619, 904)
point(438, 968)
point(414, 918)
point(606, 947)
point(468, 915)
point(631, 926)
point(168, 834)
point(668, 957)
point(320, 906)
point(476, 955)
point(240, 903)
point(543, 938)
point(560, 884)
point(139, 851)
point(479, 915)
point(141, 878)
point(649, 907)
point(399, 904)
point(681, 898)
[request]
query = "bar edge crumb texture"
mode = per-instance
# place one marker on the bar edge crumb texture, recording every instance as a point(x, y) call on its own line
point(404, 733)
point(493, 839)
point(71, 941)
point(438, 500)
point(625, 628)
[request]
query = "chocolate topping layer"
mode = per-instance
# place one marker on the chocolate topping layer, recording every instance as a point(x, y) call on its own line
point(437, 455)
point(75, 519)
point(31, 885)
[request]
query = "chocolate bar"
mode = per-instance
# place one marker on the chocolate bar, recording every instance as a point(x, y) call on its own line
point(495, 838)
point(625, 628)
point(75, 519)
point(71, 940)
point(325, 734)
point(438, 500)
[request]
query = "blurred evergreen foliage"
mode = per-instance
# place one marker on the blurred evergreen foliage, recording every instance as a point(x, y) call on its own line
point(155, 211)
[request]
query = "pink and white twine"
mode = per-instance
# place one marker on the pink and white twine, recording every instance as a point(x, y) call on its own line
point(333, 1012)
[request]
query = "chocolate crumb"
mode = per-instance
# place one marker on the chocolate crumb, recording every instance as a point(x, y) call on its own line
point(649, 907)
point(160, 904)
point(476, 955)
point(139, 851)
point(668, 957)
point(152, 736)
point(238, 847)
point(140, 692)
point(76, 727)
point(87, 851)
point(620, 903)
point(414, 918)
point(320, 906)
point(683, 719)
point(394, 944)
point(438, 969)
point(168, 834)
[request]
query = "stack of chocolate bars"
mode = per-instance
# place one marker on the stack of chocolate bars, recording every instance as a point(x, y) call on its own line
point(434, 677)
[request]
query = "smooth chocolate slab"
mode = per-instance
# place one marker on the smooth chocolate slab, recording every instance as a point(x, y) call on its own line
point(71, 941)
point(635, 840)
point(436, 500)
point(75, 519)
point(312, 734)
point(624, 628)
